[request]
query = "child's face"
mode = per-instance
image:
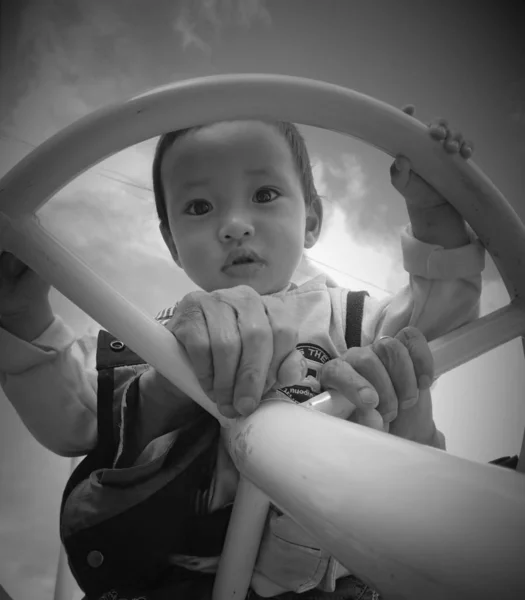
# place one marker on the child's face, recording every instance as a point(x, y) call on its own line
point(235, 204)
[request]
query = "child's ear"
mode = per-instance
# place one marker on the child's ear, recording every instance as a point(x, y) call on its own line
point(314, 220)
point(168, 240)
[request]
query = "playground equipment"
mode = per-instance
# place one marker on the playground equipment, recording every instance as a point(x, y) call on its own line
point(457, 527)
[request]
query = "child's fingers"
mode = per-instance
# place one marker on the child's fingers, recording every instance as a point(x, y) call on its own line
point(437, 132)
point(453, 142)
point(400, 171)
point(467, 149)
point(402, 163)
point(440, 121)
point(438, 128)
point(409, 109)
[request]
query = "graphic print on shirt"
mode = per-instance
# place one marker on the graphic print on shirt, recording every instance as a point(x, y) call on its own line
point(310, 386)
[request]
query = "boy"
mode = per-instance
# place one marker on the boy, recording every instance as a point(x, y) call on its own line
point(237, 206)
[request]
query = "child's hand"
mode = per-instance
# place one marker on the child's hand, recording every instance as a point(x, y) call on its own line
point(382, 380)
point(21, 289)
point(240, 345)
point(411, 186)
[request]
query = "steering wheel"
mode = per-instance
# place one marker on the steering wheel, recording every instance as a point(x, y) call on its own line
point(460, 535)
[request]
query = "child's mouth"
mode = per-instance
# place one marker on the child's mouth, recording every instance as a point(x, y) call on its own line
point(244, 269)
point(243, 262)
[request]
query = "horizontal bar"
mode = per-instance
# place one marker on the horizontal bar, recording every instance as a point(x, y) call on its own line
point(477, 338)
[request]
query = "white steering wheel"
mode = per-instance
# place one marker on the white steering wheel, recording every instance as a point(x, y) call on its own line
point(463, 536)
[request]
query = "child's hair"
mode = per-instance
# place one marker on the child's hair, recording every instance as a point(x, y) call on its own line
point(290, 133)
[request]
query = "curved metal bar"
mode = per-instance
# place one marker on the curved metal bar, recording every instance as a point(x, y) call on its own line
point(303, 482)
point(224, 97)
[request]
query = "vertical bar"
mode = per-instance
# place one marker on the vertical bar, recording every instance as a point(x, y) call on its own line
point(65, 584)
point(242, 542)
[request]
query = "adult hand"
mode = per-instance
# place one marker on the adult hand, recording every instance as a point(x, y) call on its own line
point(383, 378)
point(240, 345)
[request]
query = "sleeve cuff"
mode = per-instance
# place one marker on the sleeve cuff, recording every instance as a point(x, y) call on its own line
point(17, 355)
point(435, 262)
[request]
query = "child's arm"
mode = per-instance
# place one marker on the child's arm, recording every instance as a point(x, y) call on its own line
point(444, 261)
point(46, 373)
point(442, 256)
point(433, 219)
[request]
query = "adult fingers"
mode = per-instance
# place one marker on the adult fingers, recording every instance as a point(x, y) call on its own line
point(256, 350)
point(371, 418)
point(287, 365)
point(338, 374)
point(189, 326)
point(421, 356)
point(370, 366)
point(397, 362)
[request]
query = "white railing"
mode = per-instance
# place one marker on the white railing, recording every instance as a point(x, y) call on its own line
point(413, 521)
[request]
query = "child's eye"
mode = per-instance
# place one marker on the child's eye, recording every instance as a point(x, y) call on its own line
point(198, 207)
point(265, 195)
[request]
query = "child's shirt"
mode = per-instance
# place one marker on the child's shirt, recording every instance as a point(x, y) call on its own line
point(52, 381)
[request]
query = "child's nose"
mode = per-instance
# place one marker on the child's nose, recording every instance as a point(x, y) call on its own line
point(235, 229)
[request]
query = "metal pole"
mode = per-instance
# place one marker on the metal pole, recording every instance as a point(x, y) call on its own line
point(65, 584)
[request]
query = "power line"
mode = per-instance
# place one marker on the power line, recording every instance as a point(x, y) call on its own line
point(141, 187)
point(378, 287)
point(102, 171)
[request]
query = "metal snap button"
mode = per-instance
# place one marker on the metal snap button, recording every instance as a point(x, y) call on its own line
point(116, 345)
point(95, 559)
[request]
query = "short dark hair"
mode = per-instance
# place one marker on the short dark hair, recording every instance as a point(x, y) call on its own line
point(289, 131)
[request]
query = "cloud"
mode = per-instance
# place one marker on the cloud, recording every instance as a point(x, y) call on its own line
point(64, 60)
point(212, 17)
point(184, 26)
point(340, 183)
point(371, 209)
point(351, 172)
point(352, 258)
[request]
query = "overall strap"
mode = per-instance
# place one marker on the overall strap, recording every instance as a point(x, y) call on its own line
point(111, 354)
point(354, 318)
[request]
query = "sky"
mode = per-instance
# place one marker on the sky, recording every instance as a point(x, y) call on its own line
point(61, 59)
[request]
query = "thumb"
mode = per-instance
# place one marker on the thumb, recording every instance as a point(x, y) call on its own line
point(370, 418)
point(293, 369)
point(400, 171)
